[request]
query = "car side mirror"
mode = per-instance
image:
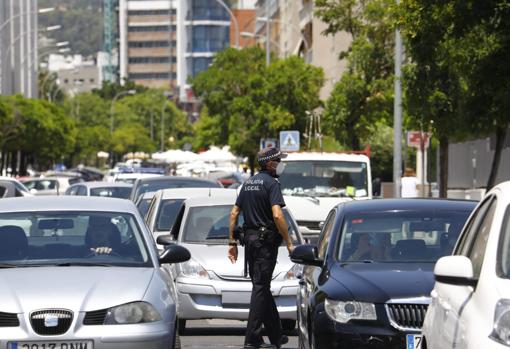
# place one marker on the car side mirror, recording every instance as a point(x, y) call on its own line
point(307, 255)
point(174, 254)
point(165, 240)
point(455, 270)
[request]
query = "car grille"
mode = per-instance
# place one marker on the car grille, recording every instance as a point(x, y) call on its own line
point(51, 322)
point(407, 316)
point(95, 317)
point(311, 225)
point(9, 320)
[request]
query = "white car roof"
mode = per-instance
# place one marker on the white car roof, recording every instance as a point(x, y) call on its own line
point(67, 203)
point(178, 193)
point(317, 156)
point(213, 200)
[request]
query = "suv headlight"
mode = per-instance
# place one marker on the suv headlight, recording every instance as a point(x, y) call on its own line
point(345, 311)
point(192, 268)
point(501, 329)
point(294, 273)
point(132, 313)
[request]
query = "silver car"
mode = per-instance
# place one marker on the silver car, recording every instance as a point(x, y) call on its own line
point(83, 272)
point(120, 190)
point(165, 205)
point(209, 285)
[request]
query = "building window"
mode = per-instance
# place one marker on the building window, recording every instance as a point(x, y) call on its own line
point(208, 10)
point(210, 38)
point(144, 44)
point(200, 64)
point(91, 81)
point(152, 76)
point(151, 12)
point(66, 81)
point(142, 60)
point(151, 28)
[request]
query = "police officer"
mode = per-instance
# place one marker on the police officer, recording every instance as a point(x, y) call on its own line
point(261, 202)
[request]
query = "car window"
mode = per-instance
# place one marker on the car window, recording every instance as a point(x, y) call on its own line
point(503, 263)
point(3, 190)
point(74, 180)
point(67, 237)
point(111, 192)
point(326, 234)
point(82, 190)
point(403, 236)
point(167, 212)
point(210, 225)
point(471, 231)
point(476, 252)
point(170, 184)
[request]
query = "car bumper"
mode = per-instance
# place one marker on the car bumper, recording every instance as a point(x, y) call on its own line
point(215, 299)
point(360, 334)
point(151, 336)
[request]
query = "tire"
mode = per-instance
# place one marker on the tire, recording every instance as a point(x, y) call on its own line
point(288, 325)
point(181, 326)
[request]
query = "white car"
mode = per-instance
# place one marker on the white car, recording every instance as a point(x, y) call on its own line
point(11, 187)
point(166, 203)
point(470, 305)
point(50, 185)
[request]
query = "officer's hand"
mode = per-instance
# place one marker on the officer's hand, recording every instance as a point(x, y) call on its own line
point(290, 248)
point(232, 253)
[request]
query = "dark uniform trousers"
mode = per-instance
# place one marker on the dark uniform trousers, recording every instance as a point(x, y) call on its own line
point(261, 259)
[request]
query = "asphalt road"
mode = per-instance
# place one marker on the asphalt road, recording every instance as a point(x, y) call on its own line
point(221, 334)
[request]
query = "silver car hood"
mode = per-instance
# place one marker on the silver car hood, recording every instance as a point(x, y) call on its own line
point(23, 290)
point(214, 258)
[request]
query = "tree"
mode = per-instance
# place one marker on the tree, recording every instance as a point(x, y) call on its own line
point(458, 81)
point(247, 101)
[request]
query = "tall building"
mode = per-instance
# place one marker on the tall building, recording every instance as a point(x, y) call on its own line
point(18, 47)
point(148, 33)
point(163, 43)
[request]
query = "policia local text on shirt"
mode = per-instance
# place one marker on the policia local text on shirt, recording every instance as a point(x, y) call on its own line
point(261, 202)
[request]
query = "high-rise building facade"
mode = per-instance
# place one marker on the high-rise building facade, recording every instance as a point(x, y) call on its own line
point(148, 32)
point(18, 47)
point(163, 43)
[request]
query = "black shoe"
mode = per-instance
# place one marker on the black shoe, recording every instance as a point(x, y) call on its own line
point(283, 340)
point(250, 346)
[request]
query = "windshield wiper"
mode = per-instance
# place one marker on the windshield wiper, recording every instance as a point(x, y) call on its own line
point(81, 264)
point(8, 265)
point(217, 237)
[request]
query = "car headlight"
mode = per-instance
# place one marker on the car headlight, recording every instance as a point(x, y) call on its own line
point(132, 313)
point(501, 329)
point(294, 273)
point(192, 268)
point(351, 310)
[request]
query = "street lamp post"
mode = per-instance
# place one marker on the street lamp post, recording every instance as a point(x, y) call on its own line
point(268, 36)
point(118, 95)
point(234, 19)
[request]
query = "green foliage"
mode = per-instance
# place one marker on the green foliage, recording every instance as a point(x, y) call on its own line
point(363, 97)
point(247, 101)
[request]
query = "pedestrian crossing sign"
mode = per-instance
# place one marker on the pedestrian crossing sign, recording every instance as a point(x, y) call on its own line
point(289, 140)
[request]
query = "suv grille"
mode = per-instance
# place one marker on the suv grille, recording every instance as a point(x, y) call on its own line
point(9, 320)
point(95, 317)
point(51, 322)
point(407, 316)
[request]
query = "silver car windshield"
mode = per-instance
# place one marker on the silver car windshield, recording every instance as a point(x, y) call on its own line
point(400, 236)
point(324, 178)
point(209, 225)
point(72, 238)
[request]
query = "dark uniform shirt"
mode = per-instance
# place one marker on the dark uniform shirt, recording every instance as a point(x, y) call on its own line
point(257, 197)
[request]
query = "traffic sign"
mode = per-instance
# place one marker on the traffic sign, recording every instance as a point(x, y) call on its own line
point(289, 140)
point(267, 143)
point(414, 139)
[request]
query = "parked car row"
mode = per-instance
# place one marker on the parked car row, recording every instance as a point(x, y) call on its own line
point(93, 269)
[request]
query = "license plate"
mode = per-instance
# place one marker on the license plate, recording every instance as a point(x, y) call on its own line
point(52, 345)
point(414, 341)
point(228, 297)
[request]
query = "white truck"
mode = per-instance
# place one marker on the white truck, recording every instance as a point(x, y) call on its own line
point(313, 183)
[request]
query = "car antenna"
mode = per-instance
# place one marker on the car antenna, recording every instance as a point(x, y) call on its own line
point(209, 192)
